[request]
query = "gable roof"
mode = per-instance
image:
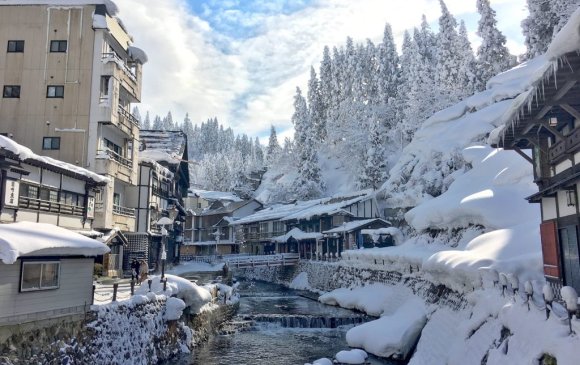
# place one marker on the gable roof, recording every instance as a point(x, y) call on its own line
point(163, 146)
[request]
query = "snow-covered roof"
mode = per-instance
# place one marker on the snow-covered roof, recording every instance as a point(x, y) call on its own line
point(298, 235)
point(353, 225)
point(214, 195)
point(307, 209)
point(159, 169)
point(163, 146)
point(26, 155)
point(43, 239)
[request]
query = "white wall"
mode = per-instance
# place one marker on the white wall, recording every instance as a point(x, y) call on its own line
point(76, 288)
point(563, 207)
point(549, 208)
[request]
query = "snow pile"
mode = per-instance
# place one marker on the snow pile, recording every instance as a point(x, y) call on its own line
point(391, 335)
point(323, 361)
point(354, 356)
point(195, 297)
point(25, 153)
point(224, 293)
point(137, 54)
point(395, 233)
point(373, 299)
point(498, 179)
point(214, 195)
point(192, 266)
point(300, 282)
point(174, 309)
point(163, 146)
point(43, 239)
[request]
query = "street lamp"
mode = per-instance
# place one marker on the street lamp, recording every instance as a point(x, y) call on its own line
point(217, 234)
point(163, 252)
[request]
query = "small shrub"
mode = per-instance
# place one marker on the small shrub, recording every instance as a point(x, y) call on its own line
point(98, 270)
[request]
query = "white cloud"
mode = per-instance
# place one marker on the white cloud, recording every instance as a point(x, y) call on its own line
point(249, 83)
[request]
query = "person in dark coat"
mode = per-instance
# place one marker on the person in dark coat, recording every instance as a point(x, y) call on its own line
point(134, 270)
point(137, 269)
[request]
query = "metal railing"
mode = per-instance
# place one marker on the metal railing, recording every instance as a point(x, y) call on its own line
point(281, 259)
point(50, 206)
point(127, 115)
point(129, 212)
point(117, 158)
point(120, 62)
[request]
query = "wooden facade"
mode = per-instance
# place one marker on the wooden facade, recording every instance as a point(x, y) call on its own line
point(549, 126)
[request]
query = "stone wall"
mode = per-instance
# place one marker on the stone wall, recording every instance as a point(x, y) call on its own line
point(133, 331)
point(326, 276)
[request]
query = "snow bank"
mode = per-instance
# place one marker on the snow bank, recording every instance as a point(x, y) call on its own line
point(43, 239)
point(174, 309)
point(192, 266)
point(374, 299)
point(300, 282)
point(391, 335)
point(323, 361)
point(354, 356)
point(498, 179)
point(195, 297)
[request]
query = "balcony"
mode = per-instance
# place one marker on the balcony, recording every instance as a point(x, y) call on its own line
point(130, 77)
point(112, 164)
point(567, 146)
point(124, 211)
point(50, 206)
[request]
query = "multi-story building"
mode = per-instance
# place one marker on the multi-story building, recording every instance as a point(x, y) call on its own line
point(69, 75)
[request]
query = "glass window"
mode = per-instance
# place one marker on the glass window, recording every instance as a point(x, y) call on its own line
point(15, 46)
point(51, 143)
point(44, 194)
point(58, 46)
point(39, 275)
point(11, 91)
point(53, 196)
point(55, 91)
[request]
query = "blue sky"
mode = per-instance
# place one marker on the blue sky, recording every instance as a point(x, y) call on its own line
point(241, 60)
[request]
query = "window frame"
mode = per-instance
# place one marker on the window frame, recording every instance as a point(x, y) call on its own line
point(58, 46)
point(43, 264)
point(52, 145)
point(56, 94)
point(11, 95)
point(16, 48)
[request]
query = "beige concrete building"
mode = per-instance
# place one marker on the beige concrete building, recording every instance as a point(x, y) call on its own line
point(69, 75)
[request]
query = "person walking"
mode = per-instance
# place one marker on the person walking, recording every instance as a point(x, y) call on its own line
point(143, 271)
point(137, 269)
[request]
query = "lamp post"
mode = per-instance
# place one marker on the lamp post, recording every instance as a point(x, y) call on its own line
point(217, 234)
point(163, 252)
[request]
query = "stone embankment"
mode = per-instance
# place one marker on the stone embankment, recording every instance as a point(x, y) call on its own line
point(132, 331)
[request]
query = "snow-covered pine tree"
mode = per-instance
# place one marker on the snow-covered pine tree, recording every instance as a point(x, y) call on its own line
point(493, 56)
point(137, 115)
point(316, 106)
point(466, 74)
point(308, 184)
point(388, 69)
point(562, 10)
point(258, 153)
point(146, 124)
point(187, 128)
point(157, 123)
point(426, 42)
point(167, 123)
point(538, 27)
point(374, 168)
point(448, 58)
point(326, 85)
point(273, 150)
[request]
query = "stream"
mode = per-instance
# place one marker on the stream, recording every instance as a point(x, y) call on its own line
point(281, 326)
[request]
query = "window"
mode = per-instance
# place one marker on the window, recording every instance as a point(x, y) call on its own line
point(58, 46)
point(116, 199)
point(51, 143)
point(55, 91)
point(264, 227)
point(114, 147)
point(70, 198)
point(28, 191)
point(39, 275)
point(105, 86)
point(278, 227)
point(11, 91)
point(15, 46)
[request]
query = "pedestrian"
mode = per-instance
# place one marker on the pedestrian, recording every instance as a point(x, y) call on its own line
point(137, 269)
point(144, 271)
point(134, 273)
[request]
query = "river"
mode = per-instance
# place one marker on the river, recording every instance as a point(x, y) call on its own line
point(277, 325)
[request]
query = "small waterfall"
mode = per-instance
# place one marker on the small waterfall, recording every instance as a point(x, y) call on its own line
point(306, 321)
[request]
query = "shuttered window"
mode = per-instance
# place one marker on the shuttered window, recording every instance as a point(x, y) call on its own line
point(549, 237)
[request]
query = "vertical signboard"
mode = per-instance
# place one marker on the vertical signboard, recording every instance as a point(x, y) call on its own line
point(11, 193)
point(91, 207)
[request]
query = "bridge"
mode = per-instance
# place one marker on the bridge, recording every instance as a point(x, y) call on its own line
point(243, 261)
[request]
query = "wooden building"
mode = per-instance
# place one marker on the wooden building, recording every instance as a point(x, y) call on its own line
point(548, 124)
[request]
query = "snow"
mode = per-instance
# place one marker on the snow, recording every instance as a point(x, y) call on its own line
point(570, 297)
point(163, 146)
point(99, 21)
point(391, 335)
point(300, 282)
point(298, 235)
point(159, 169)
point(354, 356)
point(25, 153)
point(43, 239)
point(174, 309)
point(568, 38)
point(195, 297)
point(137, 54)
point(215, 195)
point(353, 225)
point(323, 361)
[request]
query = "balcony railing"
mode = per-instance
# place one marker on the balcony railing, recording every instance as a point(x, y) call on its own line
point(263, 235)
point(128, 212)
point(50, 206)
point(113, 57)
point(569, 145)
point(118, 158)
point(127, 115)
point(161, 192)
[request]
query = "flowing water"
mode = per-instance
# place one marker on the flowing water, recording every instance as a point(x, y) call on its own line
point(279, 326)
